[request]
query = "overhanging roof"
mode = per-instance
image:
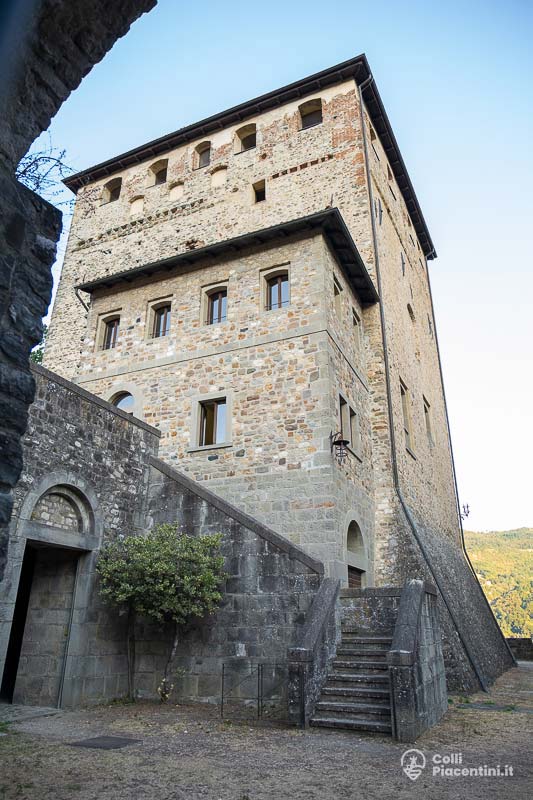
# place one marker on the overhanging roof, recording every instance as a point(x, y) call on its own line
point(329, 222)
point(356, 68)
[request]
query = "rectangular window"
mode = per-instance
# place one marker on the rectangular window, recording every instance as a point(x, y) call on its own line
point(404, 392)
point(403, 264)
point(350, 428)
point(357, 327)
point(344, 409)
point(337, 295)
point(161, 321)
point(217, 303)
point(259, 191)
point(427, 417)
point(355, 432)
point(212, 422)
point(277, 291)
point(110, 333)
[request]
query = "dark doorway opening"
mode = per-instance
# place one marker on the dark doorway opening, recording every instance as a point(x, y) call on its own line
point(40, 631)
point(355, 578)
point(17, 627)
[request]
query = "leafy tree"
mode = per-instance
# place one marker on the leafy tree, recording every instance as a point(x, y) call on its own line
point(503, 561)
point(167, 576)
point(37, 353)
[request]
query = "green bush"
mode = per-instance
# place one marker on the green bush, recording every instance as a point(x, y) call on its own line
point(166, 576)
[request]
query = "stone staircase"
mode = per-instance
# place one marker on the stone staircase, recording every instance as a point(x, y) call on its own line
point(356, 694)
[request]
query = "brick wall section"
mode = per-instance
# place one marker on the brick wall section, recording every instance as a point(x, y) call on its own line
point(46, 48)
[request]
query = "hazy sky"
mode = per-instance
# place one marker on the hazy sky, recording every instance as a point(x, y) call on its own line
point(455, 78)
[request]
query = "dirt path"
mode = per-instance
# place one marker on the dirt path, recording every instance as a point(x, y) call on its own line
point(187, 753)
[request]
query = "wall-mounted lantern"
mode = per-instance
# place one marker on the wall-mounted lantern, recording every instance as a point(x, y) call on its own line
point(338, 447)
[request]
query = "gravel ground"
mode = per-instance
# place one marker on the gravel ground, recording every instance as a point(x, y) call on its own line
point(188, 753)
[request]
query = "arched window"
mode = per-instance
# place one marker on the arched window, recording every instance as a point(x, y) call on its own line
point(356, 556)
point(245, 138)
point(111, 190)
point(125, 401)
point(310, 113)
point(158, 172)
point(277, 290)
point(411, 312)
point(202, 155)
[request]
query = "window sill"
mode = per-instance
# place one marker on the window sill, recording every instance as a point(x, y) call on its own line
point(308, 127)
point(201, 448)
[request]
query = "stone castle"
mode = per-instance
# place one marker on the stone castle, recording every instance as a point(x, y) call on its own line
point(250, 296)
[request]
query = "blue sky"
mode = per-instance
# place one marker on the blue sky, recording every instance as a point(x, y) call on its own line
point(456, 81)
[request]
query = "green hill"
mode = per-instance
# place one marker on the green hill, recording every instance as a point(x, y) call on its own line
point(503, 561)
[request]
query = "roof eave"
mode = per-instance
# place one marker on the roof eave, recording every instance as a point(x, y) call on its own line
point(357, 68)
point(329, 221)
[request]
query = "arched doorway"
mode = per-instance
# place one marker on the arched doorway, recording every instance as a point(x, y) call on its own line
point(56, 536)
point(356, 557)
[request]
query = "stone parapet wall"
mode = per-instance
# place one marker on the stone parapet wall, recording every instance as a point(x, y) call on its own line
point(269, 591)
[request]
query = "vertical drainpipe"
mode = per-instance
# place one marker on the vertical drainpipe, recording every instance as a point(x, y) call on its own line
point(394, 460)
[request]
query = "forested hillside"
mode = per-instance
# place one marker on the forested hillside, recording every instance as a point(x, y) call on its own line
point(503, 561)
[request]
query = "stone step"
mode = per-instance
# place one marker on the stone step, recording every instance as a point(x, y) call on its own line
point(352, 628)
point(375, 681)
point(360, 666)
point(369, 725)
point(367, 710)
point(350, 650)
point(356, 692)
point(369, 640)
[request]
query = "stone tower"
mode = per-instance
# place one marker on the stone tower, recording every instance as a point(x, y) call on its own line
point(255, 285)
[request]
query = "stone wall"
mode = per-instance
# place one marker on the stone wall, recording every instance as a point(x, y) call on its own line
point(90, 454)
point(419, 695)
point(101, 460)
point(282, 373)
point(521, 647)
point(46, 48)
point(270, 587)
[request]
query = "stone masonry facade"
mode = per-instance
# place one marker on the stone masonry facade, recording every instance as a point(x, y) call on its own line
point(284, 373)
point(90, 463)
